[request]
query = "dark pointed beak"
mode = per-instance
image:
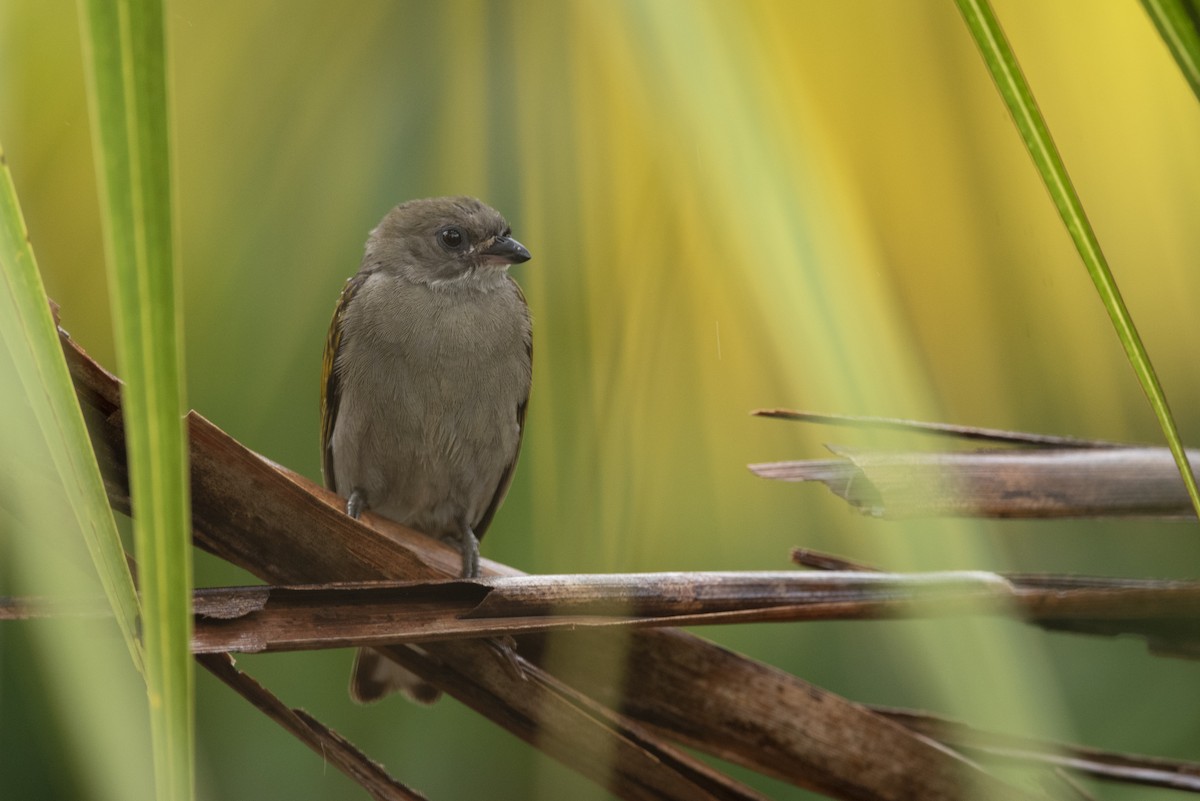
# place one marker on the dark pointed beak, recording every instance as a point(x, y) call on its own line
point(507, 250)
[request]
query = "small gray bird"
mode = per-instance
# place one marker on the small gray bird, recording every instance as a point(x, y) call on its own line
point(427, 372)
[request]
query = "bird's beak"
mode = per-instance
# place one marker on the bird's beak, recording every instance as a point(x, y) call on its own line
point(506, 250)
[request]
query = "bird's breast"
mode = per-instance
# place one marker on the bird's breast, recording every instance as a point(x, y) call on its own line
point(431, 385)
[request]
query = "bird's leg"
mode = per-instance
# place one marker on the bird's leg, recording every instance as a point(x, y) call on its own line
point(468, 545)
point(356, 504)
point(505, 647)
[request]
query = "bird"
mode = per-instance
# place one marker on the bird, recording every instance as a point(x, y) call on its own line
point(427, 371)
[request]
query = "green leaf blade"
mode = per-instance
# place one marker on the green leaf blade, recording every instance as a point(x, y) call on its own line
point(126, 59)
point(1179, 30)
point(28, 331)
point(1018, 97)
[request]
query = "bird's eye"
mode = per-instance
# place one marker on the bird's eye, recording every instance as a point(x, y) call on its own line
point(453, 237)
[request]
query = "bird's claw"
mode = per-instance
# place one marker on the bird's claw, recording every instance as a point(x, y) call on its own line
point(506, 648)
point(356, 504)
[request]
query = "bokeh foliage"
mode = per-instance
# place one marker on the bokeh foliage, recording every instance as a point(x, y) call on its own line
point(730, 206)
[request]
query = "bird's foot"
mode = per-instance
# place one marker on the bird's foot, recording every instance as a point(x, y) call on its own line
point(468, 546)
point(506, 648)
point(356, 504)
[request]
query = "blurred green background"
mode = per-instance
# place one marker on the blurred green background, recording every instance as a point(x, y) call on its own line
point(730, 206)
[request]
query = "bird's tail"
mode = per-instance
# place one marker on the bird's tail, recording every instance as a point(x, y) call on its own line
point(375, 677)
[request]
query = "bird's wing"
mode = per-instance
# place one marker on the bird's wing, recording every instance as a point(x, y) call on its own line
point(330, 385)
point(507, 476)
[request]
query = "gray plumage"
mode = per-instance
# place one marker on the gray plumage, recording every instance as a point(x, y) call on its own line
point(428, 368)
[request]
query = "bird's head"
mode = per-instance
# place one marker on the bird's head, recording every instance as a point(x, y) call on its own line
point(444, 240)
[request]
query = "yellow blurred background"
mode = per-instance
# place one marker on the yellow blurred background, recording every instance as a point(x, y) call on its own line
point(730, 206)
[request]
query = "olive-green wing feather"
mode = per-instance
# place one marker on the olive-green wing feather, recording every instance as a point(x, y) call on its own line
point(330, 384)
point(507, 476)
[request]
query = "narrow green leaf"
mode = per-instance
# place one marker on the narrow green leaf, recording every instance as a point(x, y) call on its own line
point(28, 331)
point(1006, 73)
point(1179, 29)
point(125, 58)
